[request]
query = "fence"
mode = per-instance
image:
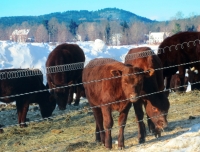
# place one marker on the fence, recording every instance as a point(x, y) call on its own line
point(62, 68)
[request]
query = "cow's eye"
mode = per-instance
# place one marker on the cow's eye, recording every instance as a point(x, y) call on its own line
point(154, 109)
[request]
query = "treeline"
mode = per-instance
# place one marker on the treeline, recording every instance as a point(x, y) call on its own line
point(110, 28)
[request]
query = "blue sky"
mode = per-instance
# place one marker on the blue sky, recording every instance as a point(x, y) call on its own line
point(153, 9)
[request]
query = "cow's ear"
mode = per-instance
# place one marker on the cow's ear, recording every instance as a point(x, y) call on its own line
point(116, 72)
point(149, 72)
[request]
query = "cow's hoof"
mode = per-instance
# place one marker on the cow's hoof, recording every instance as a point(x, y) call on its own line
point(107, 148)
point(69, 103)
point(48, 119)
point(1, 131)
point(23, 125)
point(191, 117)
point(121, 148)
point(141, 140)
point(158, 134)
point(76, 104)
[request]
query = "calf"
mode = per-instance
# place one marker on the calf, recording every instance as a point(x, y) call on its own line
point(192, 77)
point(15, 85)
point(175, 83)
point(156, 104)
point(111, 85)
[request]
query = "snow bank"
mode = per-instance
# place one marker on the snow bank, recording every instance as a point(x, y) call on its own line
point(187, 142)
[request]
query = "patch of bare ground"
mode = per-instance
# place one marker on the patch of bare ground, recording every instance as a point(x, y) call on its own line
point(73, 129)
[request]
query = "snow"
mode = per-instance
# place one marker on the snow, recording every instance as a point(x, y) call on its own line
point(34, 55)
point(187, 142)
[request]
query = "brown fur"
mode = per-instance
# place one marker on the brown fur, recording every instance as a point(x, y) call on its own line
point(178, 55)
point(193, 78)
point(175, 83)
point(102, 95)
point(155, 104)
point(23, 85)
point(61, 55)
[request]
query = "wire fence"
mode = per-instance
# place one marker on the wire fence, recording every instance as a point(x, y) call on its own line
point(81, 65)
point(98, 106)
point(76, 66)
point(175, 111)
point(93, 81)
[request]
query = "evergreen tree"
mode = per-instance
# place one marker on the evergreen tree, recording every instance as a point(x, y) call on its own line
point(124, 26)
point(45, 23)
point(107, 34)
point(73, 27)
point(177, 28)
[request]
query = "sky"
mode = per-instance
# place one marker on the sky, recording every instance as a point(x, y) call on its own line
point(159, 10)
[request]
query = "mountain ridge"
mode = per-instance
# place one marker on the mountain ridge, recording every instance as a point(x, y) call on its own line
point(111, 14)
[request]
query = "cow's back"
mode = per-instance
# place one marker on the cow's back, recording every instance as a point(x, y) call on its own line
point(19, 85)
point(94, 90)
point(178, 49)
point(147, 59)
point(65, 54)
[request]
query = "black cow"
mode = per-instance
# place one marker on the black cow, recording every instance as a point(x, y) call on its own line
point(17, 85)
point(180, 49)
point(64, 67)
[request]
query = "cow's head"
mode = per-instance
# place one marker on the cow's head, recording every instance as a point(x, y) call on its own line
point(47, 104)
point(132, 80)
point(192, 75)
point(157, 107)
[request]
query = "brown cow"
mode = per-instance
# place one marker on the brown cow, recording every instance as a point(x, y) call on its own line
point(175, 83)
point(156, 105)
point(180, 48)
point(111, 86)
point(64, 67)
point(193, 78)
point(16, 82)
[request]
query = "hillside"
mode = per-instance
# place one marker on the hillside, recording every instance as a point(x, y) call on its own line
point(112, 14)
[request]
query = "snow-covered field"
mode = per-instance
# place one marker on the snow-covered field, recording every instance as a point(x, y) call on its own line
point(34, 55)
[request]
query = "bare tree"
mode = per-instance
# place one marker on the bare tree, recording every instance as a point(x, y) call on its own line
point(41, 34)
point(53, 29)
point(137, 32)
point(82, 31)
point(63, 33)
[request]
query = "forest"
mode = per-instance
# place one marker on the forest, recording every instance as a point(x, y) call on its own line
point(105, 24)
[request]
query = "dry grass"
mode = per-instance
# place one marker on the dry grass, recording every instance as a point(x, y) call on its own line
point(74, 131)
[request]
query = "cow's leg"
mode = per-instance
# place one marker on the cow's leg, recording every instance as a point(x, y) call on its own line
point(181, 74)
point(70, 97)
point(1, 129)
point(100, 134)
point(139, 118)
point(152, 128)
point(196, 79)
point(151, 125)
point(108, 124)
point(122, 122)
point(22, 109)
point(168, 80)
point(78, 95)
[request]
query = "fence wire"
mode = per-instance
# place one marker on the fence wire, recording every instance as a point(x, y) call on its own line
point(76, 66)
